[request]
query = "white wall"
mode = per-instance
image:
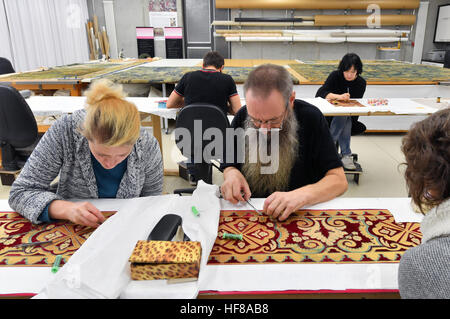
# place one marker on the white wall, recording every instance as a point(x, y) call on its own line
point(5, 47)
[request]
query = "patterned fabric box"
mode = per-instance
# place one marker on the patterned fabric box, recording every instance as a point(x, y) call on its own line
point(165, 260)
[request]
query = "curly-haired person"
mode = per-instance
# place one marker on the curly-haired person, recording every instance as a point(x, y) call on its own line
point(424, 271)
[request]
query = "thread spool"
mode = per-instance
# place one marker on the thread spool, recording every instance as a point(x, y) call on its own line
point(195, 211)
point(232, 236)
point(55, 266)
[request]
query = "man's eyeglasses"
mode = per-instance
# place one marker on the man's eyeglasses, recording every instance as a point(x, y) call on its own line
point(275, 122)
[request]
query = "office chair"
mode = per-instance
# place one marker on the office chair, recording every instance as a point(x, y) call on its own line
point(18, 129)
point(196, 119)
point(5, 66)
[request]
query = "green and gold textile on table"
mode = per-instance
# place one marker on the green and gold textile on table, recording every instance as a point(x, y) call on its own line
point(314, 236)
point(146, 74)
point(73, 71)
point(375, 71)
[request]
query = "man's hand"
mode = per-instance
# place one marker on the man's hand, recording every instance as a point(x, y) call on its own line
point(281, 204)
point(83, 213)
point(235, 188)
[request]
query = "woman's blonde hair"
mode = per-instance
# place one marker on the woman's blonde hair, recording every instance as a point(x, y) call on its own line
point(110, 120)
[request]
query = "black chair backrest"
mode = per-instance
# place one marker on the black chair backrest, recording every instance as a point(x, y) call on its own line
point(18, 126)
point(5, 66)
point(447, 59)
point(198, 118)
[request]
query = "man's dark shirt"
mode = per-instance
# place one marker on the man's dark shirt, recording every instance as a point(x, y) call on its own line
point(317, 152)
point(207, 86)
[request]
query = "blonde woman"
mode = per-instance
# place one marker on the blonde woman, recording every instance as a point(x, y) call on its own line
point(98, 152)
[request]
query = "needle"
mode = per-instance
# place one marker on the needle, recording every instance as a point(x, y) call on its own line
point(11, 236)
point(33, 243)
point(248, 202)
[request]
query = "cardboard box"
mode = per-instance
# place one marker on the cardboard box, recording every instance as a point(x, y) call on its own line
point(165, 259)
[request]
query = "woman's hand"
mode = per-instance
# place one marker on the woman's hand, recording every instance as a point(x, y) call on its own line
point(341, 97)
point(344, 97)
point(82, 213)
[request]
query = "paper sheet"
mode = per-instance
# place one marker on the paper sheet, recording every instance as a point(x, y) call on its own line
point(56, 105)
point(399, 106)
point(204, 229)
point(100, 268)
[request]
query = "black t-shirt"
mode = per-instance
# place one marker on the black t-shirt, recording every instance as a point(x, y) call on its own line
point(207, 86)
point(317, 152)
point(337, 84)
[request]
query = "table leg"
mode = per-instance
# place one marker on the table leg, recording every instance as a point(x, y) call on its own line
point(166, 121)
point(156, 123)
point(76, 90)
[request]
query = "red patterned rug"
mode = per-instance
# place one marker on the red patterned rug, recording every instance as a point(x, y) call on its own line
point(314, 236)
point(66, 238)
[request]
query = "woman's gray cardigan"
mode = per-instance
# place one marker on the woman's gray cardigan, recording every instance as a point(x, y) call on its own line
point(424, 270)
point(65, 152)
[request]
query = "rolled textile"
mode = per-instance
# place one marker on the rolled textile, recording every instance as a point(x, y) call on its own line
point(314, 4)
point(361, 20)
point(314, 39)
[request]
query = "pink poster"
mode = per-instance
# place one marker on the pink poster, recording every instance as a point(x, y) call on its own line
point(144, 33)
point(173, 33)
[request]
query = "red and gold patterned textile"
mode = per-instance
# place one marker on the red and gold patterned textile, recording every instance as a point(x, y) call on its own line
point(66, 238)
point(349, 103)
point(314, 236)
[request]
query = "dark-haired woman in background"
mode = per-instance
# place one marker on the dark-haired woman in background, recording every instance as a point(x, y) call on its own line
point(424, 271)
point(343, 84)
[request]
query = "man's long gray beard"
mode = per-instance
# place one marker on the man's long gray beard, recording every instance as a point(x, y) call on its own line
point(261, 184)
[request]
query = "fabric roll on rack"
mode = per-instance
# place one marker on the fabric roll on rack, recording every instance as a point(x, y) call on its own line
point(314, 4)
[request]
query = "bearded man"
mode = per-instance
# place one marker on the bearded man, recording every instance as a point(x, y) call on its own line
point(308, 168)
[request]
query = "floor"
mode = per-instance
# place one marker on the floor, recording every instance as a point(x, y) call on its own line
point(379, 155)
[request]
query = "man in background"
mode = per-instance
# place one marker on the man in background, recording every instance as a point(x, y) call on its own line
point(208, 85)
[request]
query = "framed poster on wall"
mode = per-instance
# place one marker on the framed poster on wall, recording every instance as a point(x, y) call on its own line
point(145, 41)
point(174, 42)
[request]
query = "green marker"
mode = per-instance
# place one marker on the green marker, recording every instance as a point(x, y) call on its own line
point(55, 266)
point(195, 211)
